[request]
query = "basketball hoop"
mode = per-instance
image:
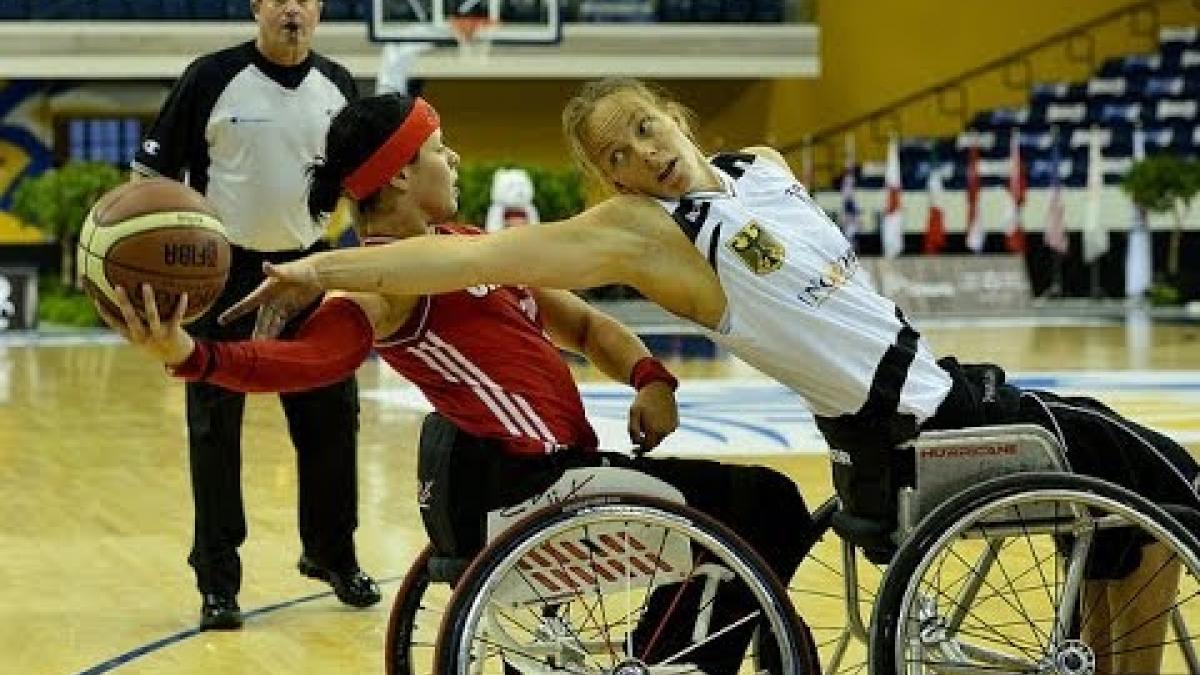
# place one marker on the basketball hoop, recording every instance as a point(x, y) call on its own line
point(473, 35)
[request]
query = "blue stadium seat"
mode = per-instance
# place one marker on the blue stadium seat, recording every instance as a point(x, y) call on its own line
point(115, 10)
point(337, 10)
point(1041, 171)
point(768, 11)
point(176, 10)
point(674, 11)
point(237, 10)
point(14, 9)
point(1118, 113)
point(708, 11)
point(55, 10)
point(208, 10)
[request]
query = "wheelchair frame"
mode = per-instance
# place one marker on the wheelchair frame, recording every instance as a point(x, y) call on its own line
point(947, 464)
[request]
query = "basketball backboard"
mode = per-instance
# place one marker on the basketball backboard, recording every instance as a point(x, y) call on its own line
point(508, 21)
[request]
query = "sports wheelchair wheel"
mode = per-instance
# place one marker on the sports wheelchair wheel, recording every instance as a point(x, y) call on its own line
point(416, 615)
point(621, 585)
point(996, 580)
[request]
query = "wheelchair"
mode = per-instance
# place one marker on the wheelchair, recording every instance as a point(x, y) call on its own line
point(995, 546)
point(603, 569)
point(991, 573)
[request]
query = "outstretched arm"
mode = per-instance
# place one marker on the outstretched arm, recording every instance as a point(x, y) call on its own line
point(605, 244)
point(328, 347)
point(619, 353)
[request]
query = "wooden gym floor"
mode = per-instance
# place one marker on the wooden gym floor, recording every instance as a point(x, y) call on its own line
point(95, 518)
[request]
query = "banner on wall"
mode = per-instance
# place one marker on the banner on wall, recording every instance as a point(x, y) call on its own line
point(18, 298)
point(953, 284)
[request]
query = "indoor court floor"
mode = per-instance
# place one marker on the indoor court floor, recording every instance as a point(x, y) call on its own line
point(95, 521)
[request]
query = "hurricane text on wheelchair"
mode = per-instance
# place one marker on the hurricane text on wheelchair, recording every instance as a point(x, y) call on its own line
point(969, 451)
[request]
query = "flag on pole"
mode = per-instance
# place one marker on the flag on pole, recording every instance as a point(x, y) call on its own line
point(1055, 228)
point(1095, 235)
point(1139, 256)
point(891, 228)
point(975, 229)
point(1014, 233)
point(935, 223)
point(850, 214)
point(808, 176)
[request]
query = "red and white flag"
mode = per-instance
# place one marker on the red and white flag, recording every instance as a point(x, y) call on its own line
point(935, 224)
point(891, 229)
point(975, 229)
point(1014, 233)
point(1055, 228)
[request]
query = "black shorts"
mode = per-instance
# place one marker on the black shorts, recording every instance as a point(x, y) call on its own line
point(462, 478)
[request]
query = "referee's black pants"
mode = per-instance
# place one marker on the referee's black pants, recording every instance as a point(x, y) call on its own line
point(323, 424)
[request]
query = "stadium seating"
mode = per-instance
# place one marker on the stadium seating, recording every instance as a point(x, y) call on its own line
point(1158, 92)
point(673, 11)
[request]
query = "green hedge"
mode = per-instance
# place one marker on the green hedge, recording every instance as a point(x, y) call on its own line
point(63, 306)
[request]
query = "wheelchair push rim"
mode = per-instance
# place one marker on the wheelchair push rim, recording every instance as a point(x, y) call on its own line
point(994, 582)
point(619, 585)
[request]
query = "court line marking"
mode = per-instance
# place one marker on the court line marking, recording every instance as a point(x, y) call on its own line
point(162, 643)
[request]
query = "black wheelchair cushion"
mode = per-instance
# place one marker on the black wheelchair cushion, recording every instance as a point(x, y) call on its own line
point(872, 536)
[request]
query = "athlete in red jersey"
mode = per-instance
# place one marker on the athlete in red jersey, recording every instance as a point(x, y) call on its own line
point(481, 357)
point(485, 357)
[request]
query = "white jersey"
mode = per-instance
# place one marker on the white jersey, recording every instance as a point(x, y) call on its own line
point(243, 131)
point(799, 308)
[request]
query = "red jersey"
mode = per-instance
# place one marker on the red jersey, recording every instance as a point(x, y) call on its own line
point(480, 355)
point(482, 358)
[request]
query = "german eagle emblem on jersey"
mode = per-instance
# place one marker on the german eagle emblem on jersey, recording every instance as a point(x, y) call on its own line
point(757, 249)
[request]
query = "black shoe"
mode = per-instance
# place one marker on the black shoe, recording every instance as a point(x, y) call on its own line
point(351, 586)
point(220, 612)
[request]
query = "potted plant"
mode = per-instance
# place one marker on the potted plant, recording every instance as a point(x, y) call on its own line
point(1165, 184)
point(57, 201)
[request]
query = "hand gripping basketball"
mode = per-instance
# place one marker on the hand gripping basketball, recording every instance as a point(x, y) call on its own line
point(166, 342)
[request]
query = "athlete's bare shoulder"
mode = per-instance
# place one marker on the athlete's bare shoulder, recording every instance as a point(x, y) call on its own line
point(638, 214)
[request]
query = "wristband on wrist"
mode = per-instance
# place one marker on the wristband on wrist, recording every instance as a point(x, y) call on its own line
point(649, 369)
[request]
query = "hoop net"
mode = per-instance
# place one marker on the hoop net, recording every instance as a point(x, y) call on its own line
point(473, 34)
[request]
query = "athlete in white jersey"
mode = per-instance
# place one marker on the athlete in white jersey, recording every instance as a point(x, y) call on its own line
point(776, 253)
point(741, 251)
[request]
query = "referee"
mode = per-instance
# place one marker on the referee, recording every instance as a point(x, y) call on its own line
point(240, 126)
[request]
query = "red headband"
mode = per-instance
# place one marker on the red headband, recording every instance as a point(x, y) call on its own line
point(398, 151)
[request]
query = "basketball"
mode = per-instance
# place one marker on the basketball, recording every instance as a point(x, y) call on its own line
point(159, 232)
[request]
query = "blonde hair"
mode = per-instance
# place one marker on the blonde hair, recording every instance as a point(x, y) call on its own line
point(580, 107)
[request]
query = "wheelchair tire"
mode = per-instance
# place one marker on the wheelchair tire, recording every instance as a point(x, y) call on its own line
point(926, 628)
point(502, 614)
point(412, 626)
